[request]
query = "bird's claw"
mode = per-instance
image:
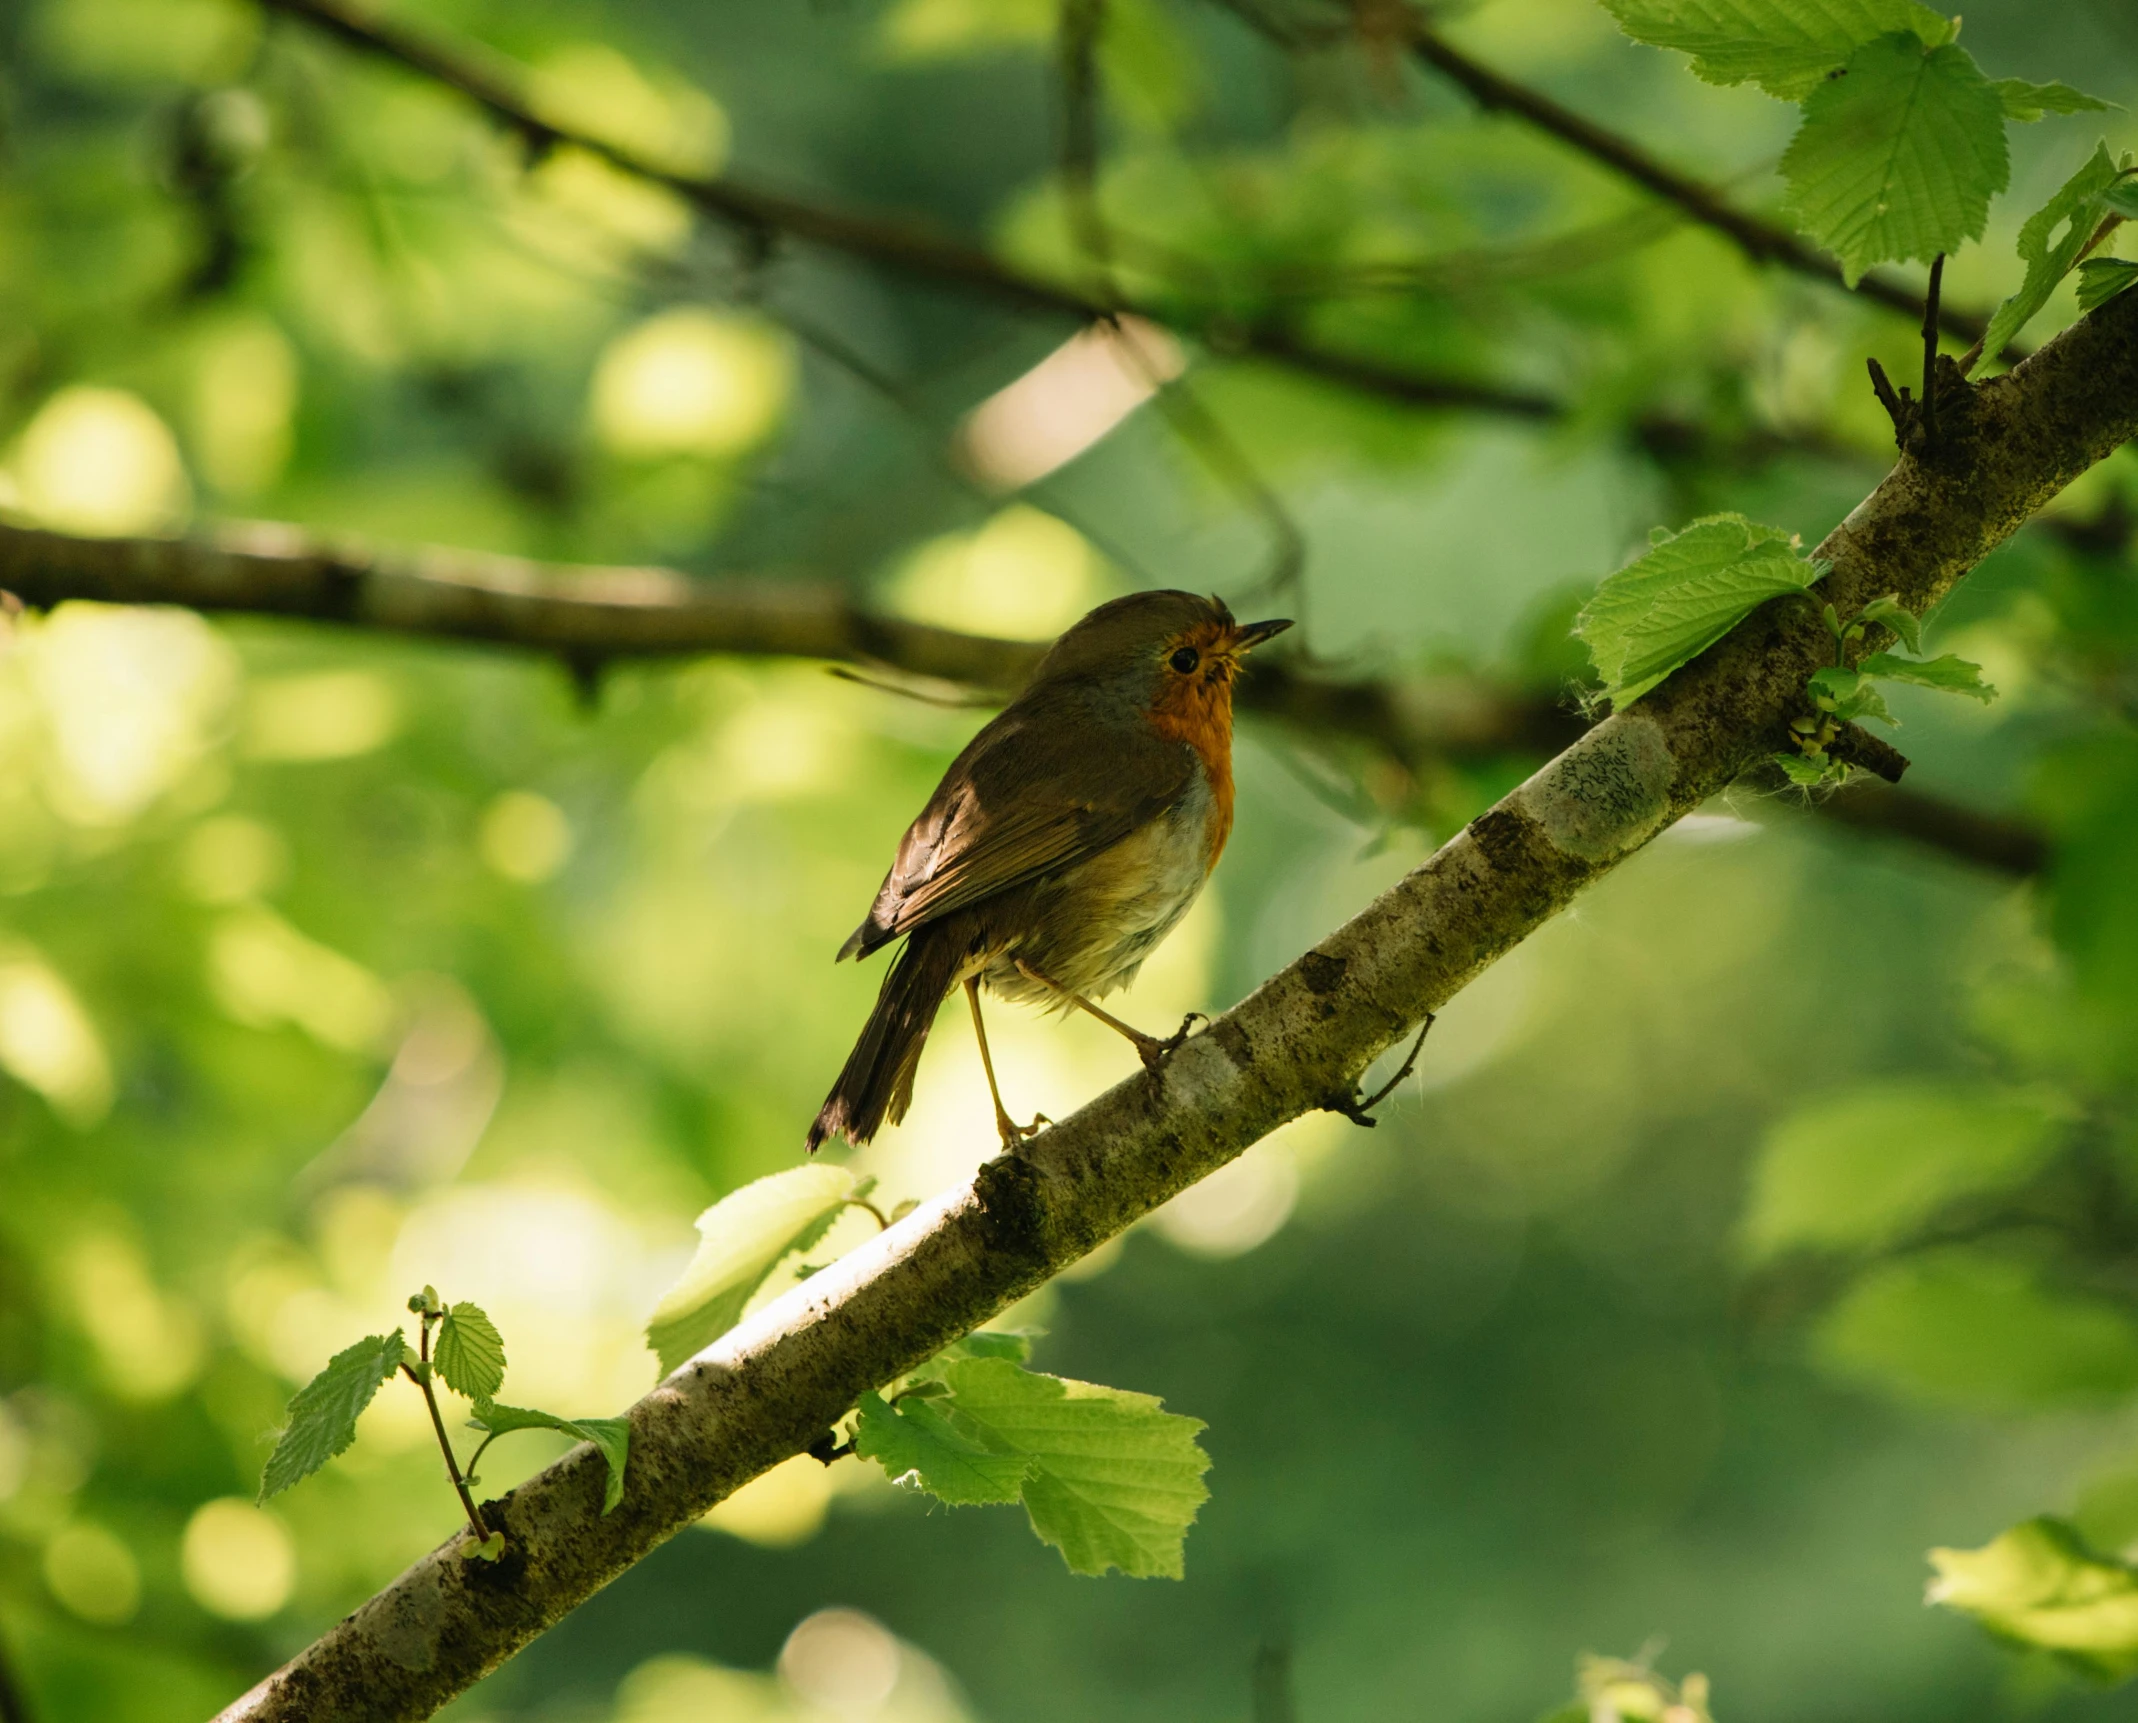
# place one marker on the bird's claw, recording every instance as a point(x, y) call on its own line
point(1155, 1052)
point(1014, 1135)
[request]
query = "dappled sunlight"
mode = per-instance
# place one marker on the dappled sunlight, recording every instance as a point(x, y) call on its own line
point(131, 701)
point(691, 383)
point(99, 461)
point(1024, 574)
point(48, 1041)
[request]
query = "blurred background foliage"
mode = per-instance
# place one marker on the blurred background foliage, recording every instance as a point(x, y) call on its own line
point(1763, 1221)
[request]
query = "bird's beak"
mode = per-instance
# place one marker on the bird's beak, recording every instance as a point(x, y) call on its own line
point(1250, 635)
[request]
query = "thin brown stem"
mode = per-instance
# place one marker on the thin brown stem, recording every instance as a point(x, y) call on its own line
point(422, 1379)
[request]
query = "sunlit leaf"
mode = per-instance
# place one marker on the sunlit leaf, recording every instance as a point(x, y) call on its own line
point(741, 1238)
point(918, 1443)
point(2039, 1584)
point(1115, 1479)
point(1784, 46)
point(1898, 617)
point(469, 1352)
point(323, 1413)
point(1898, 158)
point(611, 1435)
point(1686, 593)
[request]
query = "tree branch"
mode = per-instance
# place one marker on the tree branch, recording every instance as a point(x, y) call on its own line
point(495, 84)
point(773, 1385)
point(1761, 240)
point(590, 616)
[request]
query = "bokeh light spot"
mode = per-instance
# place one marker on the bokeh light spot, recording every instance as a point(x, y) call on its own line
point(237, 1560)
point(93, 1574)
point(691, 383)
point(524, 836)
point(100, 461)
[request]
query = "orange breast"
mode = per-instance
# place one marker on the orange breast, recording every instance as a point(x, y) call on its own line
point(1198, 711)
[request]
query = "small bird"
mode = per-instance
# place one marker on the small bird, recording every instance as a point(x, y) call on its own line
point(1063, 844)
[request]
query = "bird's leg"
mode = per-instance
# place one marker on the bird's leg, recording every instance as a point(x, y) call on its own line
point(1013, 1134)
point(1149, 1048)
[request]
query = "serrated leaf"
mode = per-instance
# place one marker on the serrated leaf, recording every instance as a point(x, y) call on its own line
point(1784, 46)
point(983, 1343)
point(611, 1435)
point(1690, 589)
point(2027, 102)
point(2102, 279)
point(1947, 674)
point(1865, 1166)
point(1115, 1481)
point(1898, 617)
point(2049, 244)
point(741, 1239)
point(920, 1445)
point(1899, 157)
point(2040, 1585)
point(1810, 774)
point(323, 1413)
point(469, 1352)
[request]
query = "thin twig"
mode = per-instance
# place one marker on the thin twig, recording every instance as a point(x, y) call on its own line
point(1359, 1108)
point(422, 1379)
point(910, 247)
point(1762, 241)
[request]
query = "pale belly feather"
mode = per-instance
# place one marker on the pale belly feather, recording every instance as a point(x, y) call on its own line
point(1098, 923)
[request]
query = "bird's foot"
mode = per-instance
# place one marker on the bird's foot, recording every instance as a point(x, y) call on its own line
point(1154, 1052)
point(1014, 1135)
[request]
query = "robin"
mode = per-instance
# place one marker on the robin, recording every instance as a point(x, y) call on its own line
point(1063, 844)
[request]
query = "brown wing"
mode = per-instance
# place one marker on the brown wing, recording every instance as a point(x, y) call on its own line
point(1037, 791)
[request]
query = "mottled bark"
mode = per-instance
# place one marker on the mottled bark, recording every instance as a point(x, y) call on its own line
point(1304, 1037)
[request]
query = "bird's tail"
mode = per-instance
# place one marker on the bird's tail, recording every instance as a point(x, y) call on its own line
point(877, 1084)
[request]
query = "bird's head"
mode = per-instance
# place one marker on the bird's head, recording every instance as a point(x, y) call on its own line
point(1163, 651)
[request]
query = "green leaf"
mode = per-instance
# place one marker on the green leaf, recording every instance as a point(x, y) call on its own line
point(1115, 1480)
point(2027, 102)
point(920, 1445)
point(1947, 674)
point(2102, 278)
point(1899, 157)
point(2122, 197)
point(1686, 593)
point(2040, 1585)
point(323, 1413)
point(611, 1435)
point(2049, 244)
point(983, 1343)
point(741, 1238)
point(1785, 46)
point(1809, 774)
point(470, 1353)
point(1898, 617)
point(1863, 1167)
point(1969, 1328)
point(1847, 694)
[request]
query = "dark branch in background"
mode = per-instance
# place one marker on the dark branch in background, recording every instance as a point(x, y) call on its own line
point(587, 617)
point(771, 1387)
point(909, 247)
point(14, 1702)
point(495, 85)
point(1760, 240)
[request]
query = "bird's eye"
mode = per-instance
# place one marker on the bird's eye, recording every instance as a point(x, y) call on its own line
point(1185, 660)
